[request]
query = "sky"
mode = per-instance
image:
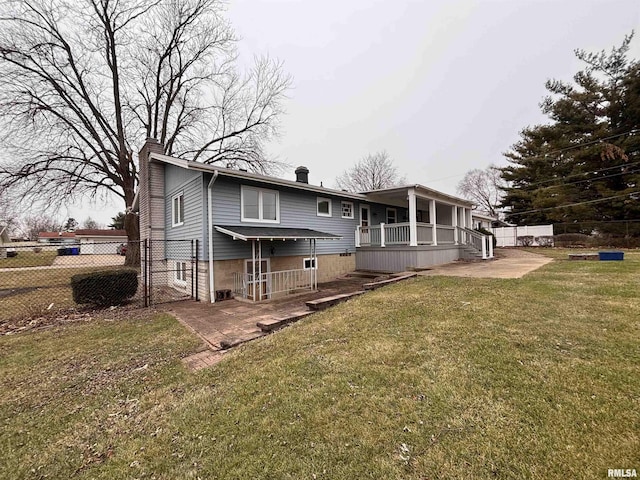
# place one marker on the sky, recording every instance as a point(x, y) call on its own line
point(443, 86)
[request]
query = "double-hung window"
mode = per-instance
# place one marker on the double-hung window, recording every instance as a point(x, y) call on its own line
point(259, 205)
point(177, 210)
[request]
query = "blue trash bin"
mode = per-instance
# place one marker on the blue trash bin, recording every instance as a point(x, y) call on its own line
point(610, 256)
point(75, 251)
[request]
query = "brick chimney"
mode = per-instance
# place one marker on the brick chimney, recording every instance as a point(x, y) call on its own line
point(151, 188)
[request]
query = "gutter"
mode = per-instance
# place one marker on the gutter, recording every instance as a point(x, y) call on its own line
point(212, 297)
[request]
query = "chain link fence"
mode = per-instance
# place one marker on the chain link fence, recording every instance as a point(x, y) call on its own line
point(36, 279)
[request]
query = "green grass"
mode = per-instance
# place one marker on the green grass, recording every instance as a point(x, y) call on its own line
point(26, 293)
point(434, 378)
point(27, 258)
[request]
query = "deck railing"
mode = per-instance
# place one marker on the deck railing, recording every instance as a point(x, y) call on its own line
point(482, 243)
point(400, 234)
point(273, 284)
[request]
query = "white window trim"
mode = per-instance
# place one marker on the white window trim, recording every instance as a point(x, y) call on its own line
point(311, 260)
point(342, 212)
point(178, 270)
point(395, 214)
point(173, 210)
point(323, 199)
point(260, 209)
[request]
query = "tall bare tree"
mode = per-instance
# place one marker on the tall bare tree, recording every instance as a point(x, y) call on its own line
point(484, 188)
point(83, 82)
point(373, 172)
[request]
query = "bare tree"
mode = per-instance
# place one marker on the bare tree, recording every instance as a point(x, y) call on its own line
point(82, 82)
point(32, 226)
point(484, 188)
point(90, 224)
point(373, 172)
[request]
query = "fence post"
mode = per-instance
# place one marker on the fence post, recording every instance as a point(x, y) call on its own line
point(150, 271)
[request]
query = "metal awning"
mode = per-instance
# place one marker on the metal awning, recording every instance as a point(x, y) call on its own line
point(274, 233)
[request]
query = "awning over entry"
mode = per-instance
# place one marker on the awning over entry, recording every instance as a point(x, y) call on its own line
point(274, 233)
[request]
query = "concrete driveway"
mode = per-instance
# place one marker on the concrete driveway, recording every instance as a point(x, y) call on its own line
point(508, 263)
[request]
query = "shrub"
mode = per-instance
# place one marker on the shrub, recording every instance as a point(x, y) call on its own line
point(525, 240)
point(544, 241)
point(570, 239)
point(111, 287)
point(37, 249)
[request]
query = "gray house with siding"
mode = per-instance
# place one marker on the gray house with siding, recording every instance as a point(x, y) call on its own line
point(260, 237)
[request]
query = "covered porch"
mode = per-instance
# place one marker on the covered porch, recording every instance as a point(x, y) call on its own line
point(258, 282)
point(422, 227)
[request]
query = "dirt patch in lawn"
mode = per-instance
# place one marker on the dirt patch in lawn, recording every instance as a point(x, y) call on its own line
point(41, 322)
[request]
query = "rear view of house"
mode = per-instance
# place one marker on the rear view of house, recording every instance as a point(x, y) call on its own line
point(259, 237)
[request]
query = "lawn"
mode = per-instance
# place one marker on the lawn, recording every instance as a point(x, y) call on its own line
point(434, 378)
point(28, 258)
point(28, 293)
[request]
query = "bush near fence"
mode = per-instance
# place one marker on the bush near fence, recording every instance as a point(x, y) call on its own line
point(104, 288)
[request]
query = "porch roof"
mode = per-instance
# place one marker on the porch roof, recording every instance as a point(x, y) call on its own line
point(274, 233)
point(399, 194)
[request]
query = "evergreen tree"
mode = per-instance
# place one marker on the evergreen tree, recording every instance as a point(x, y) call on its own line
point(583, 168)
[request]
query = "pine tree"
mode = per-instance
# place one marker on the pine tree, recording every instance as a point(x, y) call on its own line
point(583, 168)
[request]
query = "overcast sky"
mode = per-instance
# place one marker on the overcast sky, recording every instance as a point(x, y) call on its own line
point(442, 86)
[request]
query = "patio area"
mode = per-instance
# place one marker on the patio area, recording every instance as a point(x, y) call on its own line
point(233, 321)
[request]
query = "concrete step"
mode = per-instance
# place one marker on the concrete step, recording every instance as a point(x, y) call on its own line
point(271, 323)
point(358, 274)
point(382, 283)
point(235, 341)
point(326, 302)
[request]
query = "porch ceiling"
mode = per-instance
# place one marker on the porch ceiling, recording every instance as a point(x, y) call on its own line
point(274, 233)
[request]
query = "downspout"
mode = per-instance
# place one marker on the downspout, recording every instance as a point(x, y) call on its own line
point(212, 297)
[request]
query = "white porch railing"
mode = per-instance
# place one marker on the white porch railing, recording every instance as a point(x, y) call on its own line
point(400, 234)
point(482, 243)
point(273, 283)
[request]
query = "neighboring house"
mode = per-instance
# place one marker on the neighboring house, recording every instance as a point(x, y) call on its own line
point(56, 237)
point(100, 241)
point(91, 241)
point(483, 220)
point(261, 236)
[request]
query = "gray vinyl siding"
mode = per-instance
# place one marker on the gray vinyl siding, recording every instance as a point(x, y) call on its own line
point(400, 258)
point(179, 237)
point(297, 210)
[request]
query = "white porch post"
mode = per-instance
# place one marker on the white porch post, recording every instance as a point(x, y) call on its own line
point(484, 247)
point(413, 214)
point(358, 236)
point(469, 222)
point(432, 217)
point(382, 239)
point(490, 246)
point(454, 223)
point(253, 270)
point(259, 270)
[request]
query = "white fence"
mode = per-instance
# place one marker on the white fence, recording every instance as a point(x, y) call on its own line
point(508, 236)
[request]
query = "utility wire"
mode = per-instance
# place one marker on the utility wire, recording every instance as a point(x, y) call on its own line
point(572, 204)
